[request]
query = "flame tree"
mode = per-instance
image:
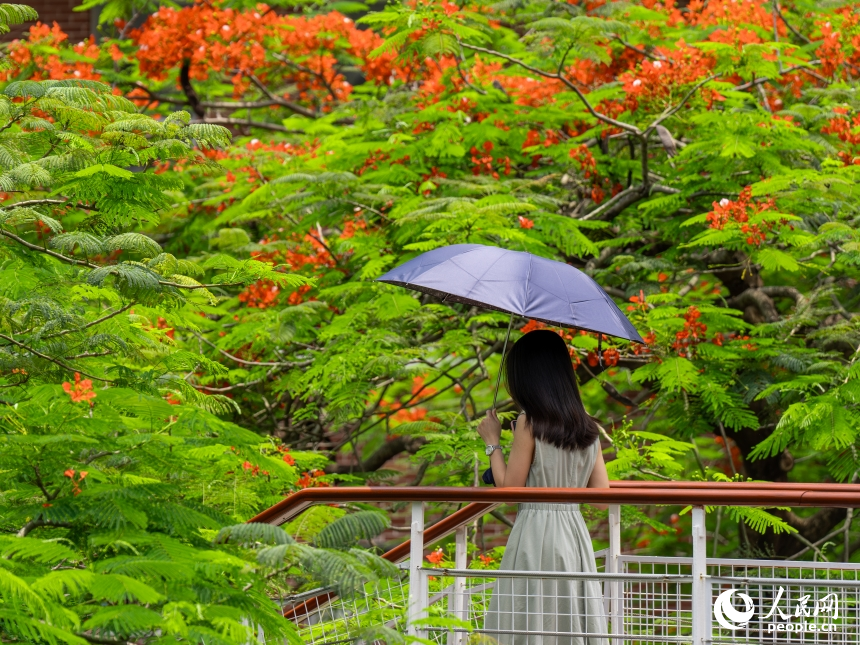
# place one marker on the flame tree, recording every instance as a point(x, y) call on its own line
point(698, 159)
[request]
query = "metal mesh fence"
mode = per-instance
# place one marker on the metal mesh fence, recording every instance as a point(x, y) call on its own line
point(759, 601)
point(326, 619)
point(762, 601)
point(661, 609)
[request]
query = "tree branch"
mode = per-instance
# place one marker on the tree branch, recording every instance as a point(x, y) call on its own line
point(224, 120)
point(244, 362)
point(93, 323)
point(298, 109)
point(758, 299)
point(559, 77)
point(90, 265)
point(671, 111)
point(377, 459)
point(52, 360)
point(617, 204)
point(788, 24)
point(188, 89)
point(35, 524)
point(641, 52)
point(501, 517)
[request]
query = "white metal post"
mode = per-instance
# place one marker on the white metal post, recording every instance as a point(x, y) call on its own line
point(458, 592)
point(701, 597)
point(613, 566)
point(418, 592)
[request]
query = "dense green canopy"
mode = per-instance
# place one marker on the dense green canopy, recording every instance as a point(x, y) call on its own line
point(195, 208)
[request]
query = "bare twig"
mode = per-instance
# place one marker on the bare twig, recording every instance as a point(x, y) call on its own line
point(91, 324)
point(242, 361)
point(641, 52)
point(106, 352)
point(671, 111)
point(295, 107)
point(791, 28)
point(501, 517)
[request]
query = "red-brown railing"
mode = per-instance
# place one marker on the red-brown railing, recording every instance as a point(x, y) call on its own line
point(665, 493)
point(482, 500)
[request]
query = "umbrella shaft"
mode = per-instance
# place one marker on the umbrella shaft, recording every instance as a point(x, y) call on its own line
point(502, 363)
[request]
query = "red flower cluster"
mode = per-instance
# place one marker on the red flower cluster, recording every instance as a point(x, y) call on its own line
point(586, 160)
point(436, 557)
point(82, 390)
point(534, 138)
point(264, 293)
point(288, 458)
point(727, 212)
point(219, 40)
point(403, 413)
point(260, 295)
point(39, 55)
point(255, 470)
point(525, 222)
point(655, 81)
point(735, 455)
point(311, 480)
point(162, 324)
point(692, 334)
point(848, 131)
point(433, 174)
point(840, 43)
point(483, 163)
point(639, 302)
point(76, 482)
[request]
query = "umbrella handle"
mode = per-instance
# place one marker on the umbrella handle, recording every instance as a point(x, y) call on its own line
point(501, 365)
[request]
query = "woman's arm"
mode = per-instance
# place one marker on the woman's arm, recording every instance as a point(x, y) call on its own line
point(599, 478)
point(516, 471)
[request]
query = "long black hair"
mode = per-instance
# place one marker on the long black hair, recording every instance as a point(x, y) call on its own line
point(540, 379)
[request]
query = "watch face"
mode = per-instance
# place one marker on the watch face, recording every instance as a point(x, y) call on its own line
point(489, 450)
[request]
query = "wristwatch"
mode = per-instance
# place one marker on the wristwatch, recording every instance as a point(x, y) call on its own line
point(490, 449)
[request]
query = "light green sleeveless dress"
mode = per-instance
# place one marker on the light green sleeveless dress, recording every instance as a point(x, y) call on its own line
point(550, 537)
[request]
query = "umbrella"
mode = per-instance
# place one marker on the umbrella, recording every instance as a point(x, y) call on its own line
point(517, 283)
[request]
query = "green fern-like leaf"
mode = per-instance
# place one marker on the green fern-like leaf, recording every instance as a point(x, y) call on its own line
point(254, 533)
point(15, 14)
point(349, 529)
point(87, 244)
point(133, 242)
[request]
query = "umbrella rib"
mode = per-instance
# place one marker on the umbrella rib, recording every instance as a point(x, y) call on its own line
point(528, 279)
point(481, 277)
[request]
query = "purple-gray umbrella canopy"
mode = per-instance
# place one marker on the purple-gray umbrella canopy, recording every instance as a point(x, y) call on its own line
point(517, 283)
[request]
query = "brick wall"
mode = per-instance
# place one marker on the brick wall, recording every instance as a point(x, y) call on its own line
point(78, 24)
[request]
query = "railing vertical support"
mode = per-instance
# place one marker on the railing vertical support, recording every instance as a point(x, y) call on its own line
point(613, 566)
point(418, 592)
point(701, 597)
point(458, 600)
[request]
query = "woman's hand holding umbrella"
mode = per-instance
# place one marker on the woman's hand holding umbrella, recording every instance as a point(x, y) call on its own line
point(490, 429)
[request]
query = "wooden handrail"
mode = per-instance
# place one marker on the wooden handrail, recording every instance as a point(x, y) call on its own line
point(700, 494)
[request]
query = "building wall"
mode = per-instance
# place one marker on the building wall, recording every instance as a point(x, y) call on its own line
point(78, 24)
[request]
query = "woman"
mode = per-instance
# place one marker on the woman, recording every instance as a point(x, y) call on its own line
point(555, 446)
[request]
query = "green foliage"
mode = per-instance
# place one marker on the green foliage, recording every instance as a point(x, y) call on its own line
point(218, 300)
